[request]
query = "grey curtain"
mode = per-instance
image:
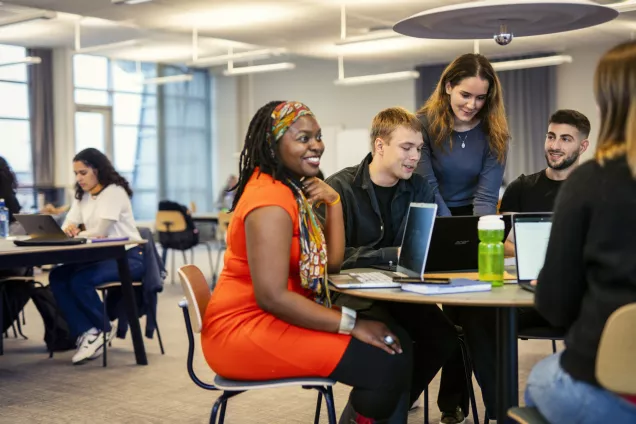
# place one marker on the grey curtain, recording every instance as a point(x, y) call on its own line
point(41, 118)
point(529, 98)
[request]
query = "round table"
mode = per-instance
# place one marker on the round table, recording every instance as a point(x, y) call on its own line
point(504, 299)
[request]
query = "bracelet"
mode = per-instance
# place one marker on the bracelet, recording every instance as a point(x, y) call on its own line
point(335, 202)
point(347, 320)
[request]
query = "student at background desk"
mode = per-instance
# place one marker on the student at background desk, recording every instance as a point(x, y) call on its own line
point(102, 204)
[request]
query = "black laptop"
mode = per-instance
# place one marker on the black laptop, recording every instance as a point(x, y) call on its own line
point(454, 244)
point(44, 231)
point(532, 233)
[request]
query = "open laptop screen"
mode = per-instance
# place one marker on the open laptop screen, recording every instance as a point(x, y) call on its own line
point(416, 240)
point(532, 233)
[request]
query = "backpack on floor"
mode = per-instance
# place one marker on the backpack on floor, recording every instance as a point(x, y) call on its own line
point(56, 333)
point(16, 295)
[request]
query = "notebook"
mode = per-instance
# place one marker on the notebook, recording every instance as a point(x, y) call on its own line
point(457, 285)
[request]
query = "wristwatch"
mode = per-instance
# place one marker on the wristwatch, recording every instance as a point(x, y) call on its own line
point(347, 320)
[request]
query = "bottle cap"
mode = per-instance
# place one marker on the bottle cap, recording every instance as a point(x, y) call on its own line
point(491, 222)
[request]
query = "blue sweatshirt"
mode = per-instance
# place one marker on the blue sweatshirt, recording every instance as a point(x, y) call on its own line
point(469, 175)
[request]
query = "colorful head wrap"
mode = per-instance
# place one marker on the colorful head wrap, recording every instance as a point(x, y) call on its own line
point(285, 115)
point(313, 247)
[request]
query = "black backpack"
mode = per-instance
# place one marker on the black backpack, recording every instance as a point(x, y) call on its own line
point(56, 333)
point(15, 295)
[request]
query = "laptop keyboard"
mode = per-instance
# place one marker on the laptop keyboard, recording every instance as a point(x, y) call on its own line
point(372, 277)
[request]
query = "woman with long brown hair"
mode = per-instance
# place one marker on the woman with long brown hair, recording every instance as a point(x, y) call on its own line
point(589, 270)
point(465, 138)
point(463, 158)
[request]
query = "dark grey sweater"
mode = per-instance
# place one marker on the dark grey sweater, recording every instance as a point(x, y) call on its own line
point(590, 264)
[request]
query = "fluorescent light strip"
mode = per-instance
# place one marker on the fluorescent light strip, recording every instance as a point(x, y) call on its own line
point(168, 80)
point(109, 46)
point(29, 60)
point(130, 1)
point(237, 57)
point(22, 18)
point(377, 78)
point(259, 68)
point(531, 63)
point(371, 36)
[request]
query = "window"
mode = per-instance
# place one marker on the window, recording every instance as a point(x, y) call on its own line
point(138, 122)
point(186, 126)
point(14, 114)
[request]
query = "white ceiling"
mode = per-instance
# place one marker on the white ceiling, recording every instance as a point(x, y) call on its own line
point(305, 27)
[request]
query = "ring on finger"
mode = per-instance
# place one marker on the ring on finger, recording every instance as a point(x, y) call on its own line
point(388, 340)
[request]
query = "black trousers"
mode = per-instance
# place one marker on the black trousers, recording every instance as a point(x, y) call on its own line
point(433, 339)
point(479, 327)
point(378, 378)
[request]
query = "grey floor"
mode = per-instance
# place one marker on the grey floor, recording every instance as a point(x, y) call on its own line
point(36, 389)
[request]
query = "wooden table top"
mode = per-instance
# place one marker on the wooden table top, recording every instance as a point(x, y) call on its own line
point(508, 295)
point(7, 248)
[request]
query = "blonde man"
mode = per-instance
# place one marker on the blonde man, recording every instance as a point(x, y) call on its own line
point(376, 195)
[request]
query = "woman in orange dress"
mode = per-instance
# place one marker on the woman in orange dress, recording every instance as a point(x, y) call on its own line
point(270, 315)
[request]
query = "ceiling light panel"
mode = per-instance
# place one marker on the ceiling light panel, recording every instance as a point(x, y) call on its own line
point(235, 16)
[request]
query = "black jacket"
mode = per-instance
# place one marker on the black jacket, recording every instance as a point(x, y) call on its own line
point(363, 222)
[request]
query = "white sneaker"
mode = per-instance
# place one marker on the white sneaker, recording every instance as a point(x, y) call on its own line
point(90, 346)
point(109, 337)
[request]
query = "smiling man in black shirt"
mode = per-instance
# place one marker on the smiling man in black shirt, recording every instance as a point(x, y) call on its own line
point(565, 141)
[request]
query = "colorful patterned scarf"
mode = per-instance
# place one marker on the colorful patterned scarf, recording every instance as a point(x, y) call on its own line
point(313, 247)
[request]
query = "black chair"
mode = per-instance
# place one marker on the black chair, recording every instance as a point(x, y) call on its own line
point(197, 295)
point(103, 289)
point(543, 333)
point(177, 231)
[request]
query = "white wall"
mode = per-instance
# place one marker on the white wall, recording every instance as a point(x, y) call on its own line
point(338, 108)
point(575, 83)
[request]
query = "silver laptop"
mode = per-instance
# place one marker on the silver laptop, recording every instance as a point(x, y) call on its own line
point(414, 251)
point(532, 233)
point(44, 231)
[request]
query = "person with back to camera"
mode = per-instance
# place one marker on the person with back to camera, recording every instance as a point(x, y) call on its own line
point(270, 315)
point(590, 267)
point(466, 140)
point(102, 204)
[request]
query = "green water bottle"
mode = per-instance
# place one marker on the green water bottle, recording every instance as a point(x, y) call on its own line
point(491, 249)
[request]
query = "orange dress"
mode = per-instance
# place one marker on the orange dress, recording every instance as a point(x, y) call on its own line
point(239, 339)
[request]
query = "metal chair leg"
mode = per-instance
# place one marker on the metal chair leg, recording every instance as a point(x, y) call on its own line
point(222, 414)
point(154, 318)
point(23, 318)
point(174, 253)
point(318, 405)
point(212, 269)
point(468, 367)
point(554, 346)
point(104, 359)
point(331, 408)
point(426, 405)
point(215, 409)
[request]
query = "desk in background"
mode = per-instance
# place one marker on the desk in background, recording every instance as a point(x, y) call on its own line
point(12, 256)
